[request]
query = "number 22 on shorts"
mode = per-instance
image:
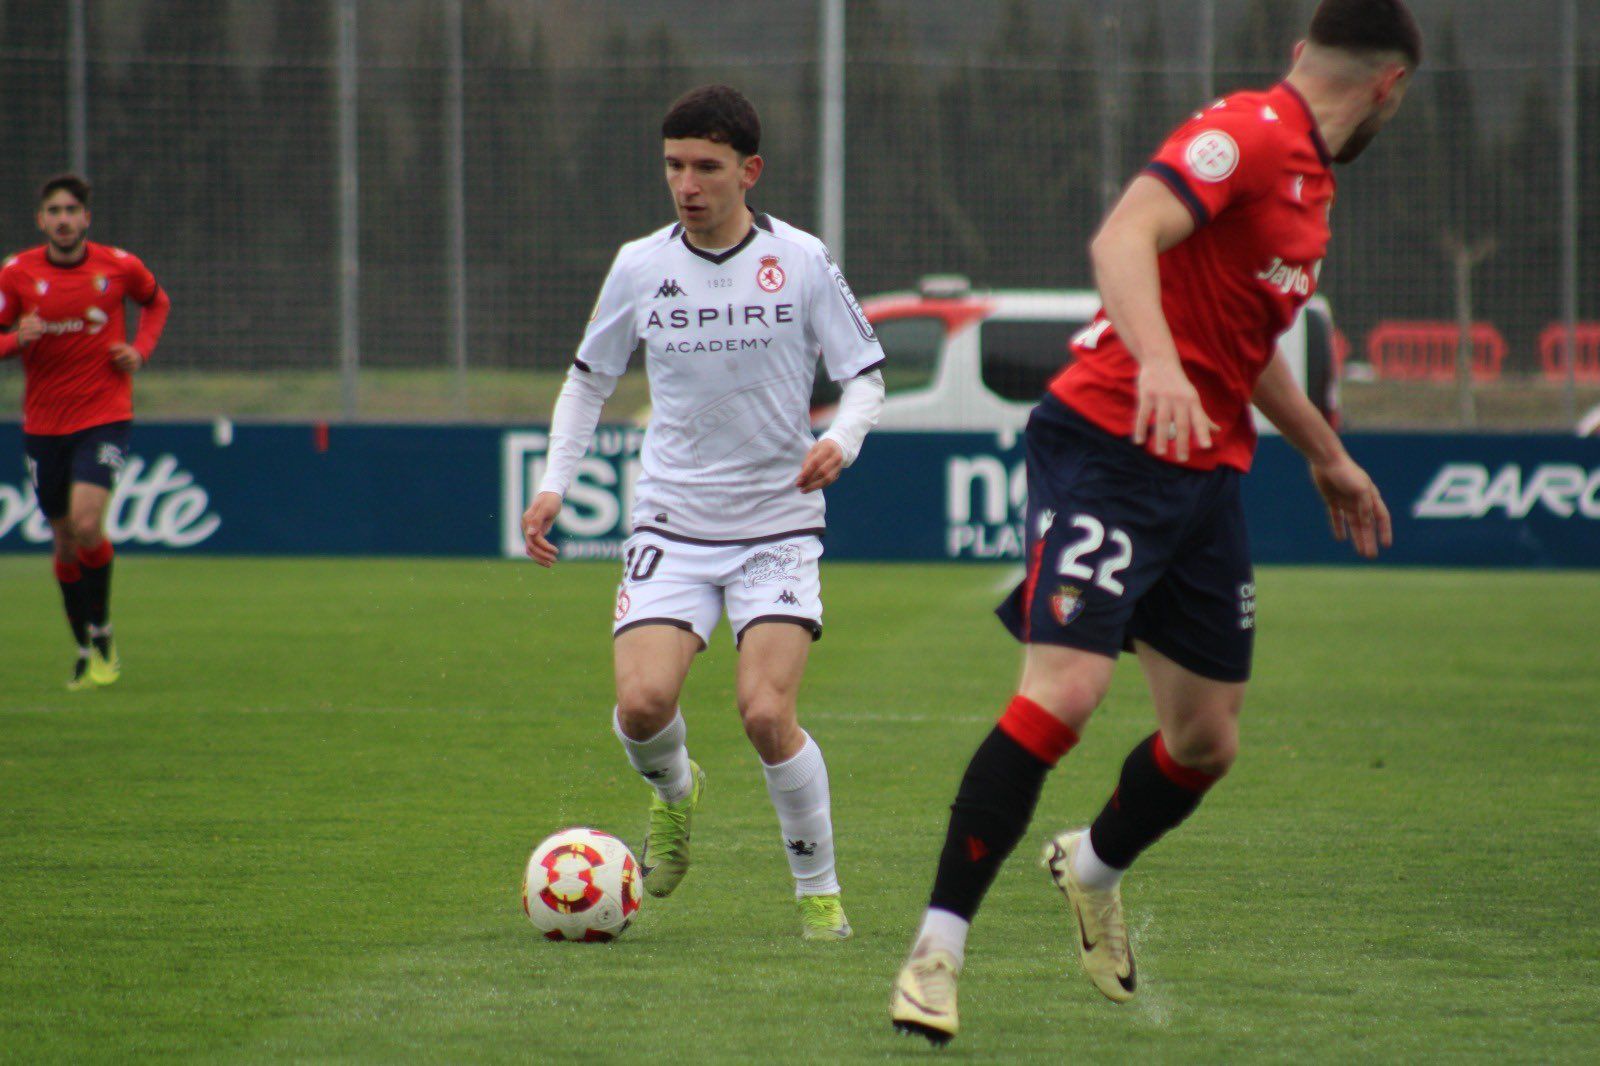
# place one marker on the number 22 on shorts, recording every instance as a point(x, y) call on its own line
point(1095, 534)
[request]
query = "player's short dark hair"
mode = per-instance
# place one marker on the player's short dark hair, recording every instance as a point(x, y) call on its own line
point(1368, 27)
point(73, 183)
point(717, 113)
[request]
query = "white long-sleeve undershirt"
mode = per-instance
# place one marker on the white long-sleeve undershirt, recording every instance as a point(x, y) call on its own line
point(572, 425)
point(859, 406)
point(577, 413)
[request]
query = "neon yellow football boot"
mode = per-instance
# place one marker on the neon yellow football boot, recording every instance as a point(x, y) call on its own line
point(822, 918)
point(1102, 933)
point(105, 665)
point(80, 681)
point(924, 1000)
point(666, 847)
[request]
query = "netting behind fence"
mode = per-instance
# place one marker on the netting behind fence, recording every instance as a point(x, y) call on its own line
point(983, 139)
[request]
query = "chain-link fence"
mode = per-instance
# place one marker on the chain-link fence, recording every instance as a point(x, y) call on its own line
point(420, 187)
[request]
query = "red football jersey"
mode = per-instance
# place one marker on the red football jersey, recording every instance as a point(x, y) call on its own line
point(1256, 175)
point(69, 380)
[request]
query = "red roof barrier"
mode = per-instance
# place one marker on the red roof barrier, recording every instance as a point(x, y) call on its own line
point(1426, 351)
point(1553, 352)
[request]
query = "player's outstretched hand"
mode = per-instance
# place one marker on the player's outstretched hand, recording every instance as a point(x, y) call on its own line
point(1355, 507)
point(1170, 411)
point(30, 327)
point(125, 357)
point(536, 523)
point(824, 463)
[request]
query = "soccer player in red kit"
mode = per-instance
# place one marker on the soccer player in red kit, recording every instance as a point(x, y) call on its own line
point(65, 300)
point(1136, 535)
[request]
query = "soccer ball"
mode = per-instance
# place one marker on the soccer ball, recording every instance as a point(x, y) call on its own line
point(581, 884)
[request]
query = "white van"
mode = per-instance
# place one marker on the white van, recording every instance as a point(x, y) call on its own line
point(965, 360)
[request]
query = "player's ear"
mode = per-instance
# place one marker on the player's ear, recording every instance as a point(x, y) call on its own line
point(1390, 81)
point(750, 172)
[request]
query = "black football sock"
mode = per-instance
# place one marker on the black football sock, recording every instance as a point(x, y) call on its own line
point(69, 575)
point(995, 803)
point(1154, 794)
point(96, 565)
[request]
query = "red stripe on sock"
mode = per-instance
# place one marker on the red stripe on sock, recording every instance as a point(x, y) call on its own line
point(1045, 736)
point(96, 557)
point(1180, 775)
point(67, 570)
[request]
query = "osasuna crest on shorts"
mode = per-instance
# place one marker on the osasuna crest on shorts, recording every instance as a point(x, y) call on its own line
point(731, 343)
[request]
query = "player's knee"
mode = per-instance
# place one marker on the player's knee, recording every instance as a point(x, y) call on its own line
point(86, 530)
point(645, 710)
point(768, 720)
point(1068, 697)
point(1211, 751)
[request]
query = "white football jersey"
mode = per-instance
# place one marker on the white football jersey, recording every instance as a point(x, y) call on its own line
point(731, 343)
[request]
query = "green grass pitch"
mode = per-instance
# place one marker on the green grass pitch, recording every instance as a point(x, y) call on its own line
point(295, 829)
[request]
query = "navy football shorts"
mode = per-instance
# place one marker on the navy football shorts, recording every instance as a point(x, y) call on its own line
point(94, 456)
point(1122, 546)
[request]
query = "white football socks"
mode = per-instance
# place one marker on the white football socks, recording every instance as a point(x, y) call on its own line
point(942, 931)
point(799, 791)
point(662, 760)
point(1090, 870)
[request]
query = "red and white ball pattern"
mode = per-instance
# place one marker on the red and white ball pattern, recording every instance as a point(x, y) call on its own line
point(581, 884)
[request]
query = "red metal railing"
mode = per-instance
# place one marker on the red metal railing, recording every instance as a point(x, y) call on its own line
point(1426, 351)
point(1553, 351)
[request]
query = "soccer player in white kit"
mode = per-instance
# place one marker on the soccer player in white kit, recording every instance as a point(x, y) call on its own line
point(733, 309)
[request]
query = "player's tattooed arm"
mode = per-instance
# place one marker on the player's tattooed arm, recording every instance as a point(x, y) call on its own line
point(1356, 511)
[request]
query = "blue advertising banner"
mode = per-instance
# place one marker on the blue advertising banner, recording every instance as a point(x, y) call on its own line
point(453, 490)
point(301, 490)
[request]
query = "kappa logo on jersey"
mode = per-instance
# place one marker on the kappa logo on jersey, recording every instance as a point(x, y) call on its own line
point(669, 288)
point(109, 455)
point(1066, 604)
point(788, 599)
point(770, 276)
point(771, 564)
point(1213, 156)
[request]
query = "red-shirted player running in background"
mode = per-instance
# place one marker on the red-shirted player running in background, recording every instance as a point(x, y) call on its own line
point(65, 299)
point(1136, 534)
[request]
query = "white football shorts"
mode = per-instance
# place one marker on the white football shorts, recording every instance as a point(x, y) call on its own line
point(670, 582)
